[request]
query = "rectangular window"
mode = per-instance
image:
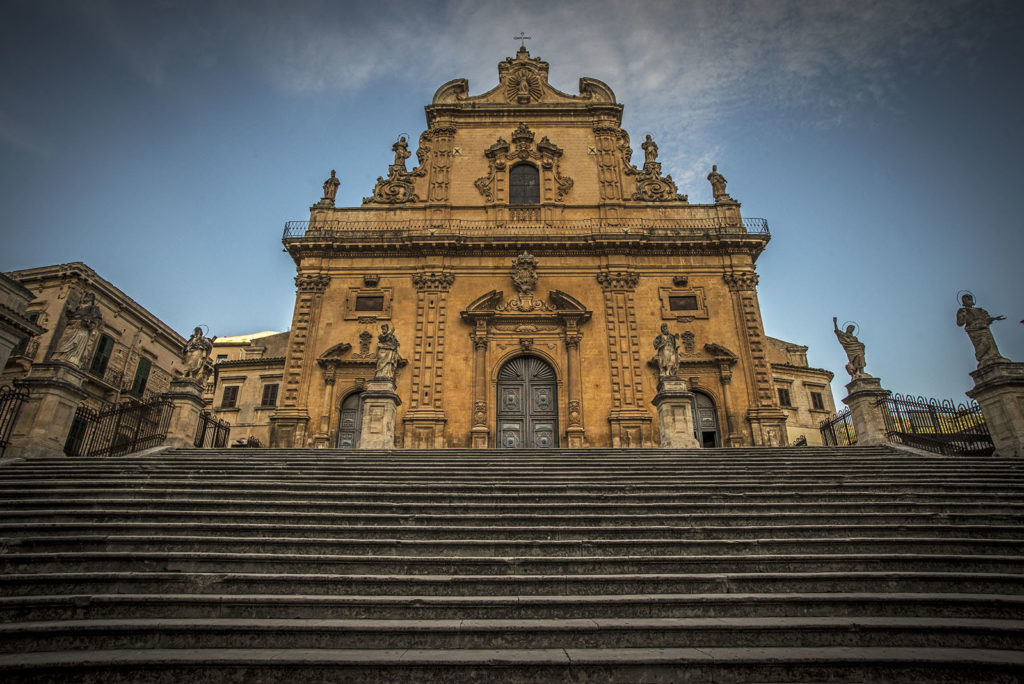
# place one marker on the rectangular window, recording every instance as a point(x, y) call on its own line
point(101, 356)
point(817, 401)
point(369, 302)
point(269, 395)
point(784, 397)
point(141, 377)
point(230, 397)
point(682, 302)
point(222, 357)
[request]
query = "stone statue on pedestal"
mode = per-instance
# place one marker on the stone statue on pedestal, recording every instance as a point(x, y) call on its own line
point(401, 150)
point(854, 349)
point(82, 320)
point(650, 149)
point(387, 354)
point(330, 189)
point(718, 182)
point(976, 321)
point(667, 345)
point(195, 354)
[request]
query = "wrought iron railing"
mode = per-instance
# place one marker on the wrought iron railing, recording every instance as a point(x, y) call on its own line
point(118, 429)
point(211, 433)
point(939, 426)
point(837, 430)
point(392, 230)
point(11, 399)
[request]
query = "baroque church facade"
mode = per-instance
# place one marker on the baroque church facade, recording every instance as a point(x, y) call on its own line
point(525, 264)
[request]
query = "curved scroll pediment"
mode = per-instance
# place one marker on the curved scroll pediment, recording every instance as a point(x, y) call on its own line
point(337, 351)
point(485, 303)
point(566, 302)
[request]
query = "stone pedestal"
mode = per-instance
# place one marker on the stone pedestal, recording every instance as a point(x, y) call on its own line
point(675, 415)
point(863, 395)
point(380, 409)
point(186, 396)
point(999, 391)
point(54, 393)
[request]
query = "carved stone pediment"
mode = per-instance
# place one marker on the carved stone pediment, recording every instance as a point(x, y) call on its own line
point(523, 80)
point(545, 155)
point(398, 187)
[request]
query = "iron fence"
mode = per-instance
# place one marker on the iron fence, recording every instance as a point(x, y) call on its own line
point(521, 224)
point(11, 399)
point(211, 433)
point(838, 429)
point(938, 426)
point(118, 429)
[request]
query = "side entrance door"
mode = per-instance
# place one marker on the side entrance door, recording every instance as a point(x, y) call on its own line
point(527, 404)
point(350, 424)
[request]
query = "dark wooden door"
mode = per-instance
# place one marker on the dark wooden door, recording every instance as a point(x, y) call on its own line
point(527, 404)
point(705, 421)
point(351, 421)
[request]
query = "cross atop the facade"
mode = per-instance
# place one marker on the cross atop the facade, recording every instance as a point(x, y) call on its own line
point(522, 37)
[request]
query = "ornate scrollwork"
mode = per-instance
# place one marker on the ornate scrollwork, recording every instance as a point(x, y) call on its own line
point(433, 280)
point(575, 413)
point(398, 187)
point(501, 155)
point(522, 86)
point(651, 186)
point(524, 273)
point(618, 280)
point(738, 282)
point(312, 282)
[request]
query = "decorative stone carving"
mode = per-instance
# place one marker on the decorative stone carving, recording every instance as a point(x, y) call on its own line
point(667, 346)
point(976, 321)
point(312, 282)
point(364, 343)
point(687, 339)
point(618, 280)
point(854, 349)
point(575, 413)
point(524, 273)
point(522, 86)
point(680, 281)
point(433, 280)
point(501, 155)
point(330, 191)
point(371, 280)
point(398, 187)
point(718, 182)
point(651, 186)
point(387, 354)
point(82, 320)
point(196, 355)
point(739, 282)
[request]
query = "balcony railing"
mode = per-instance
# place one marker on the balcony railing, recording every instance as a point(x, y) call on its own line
point(710, 227)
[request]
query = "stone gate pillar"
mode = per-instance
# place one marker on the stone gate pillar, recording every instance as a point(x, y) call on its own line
point(864, 396)
point(54, 394)
point(999, 391)
point(380, 411)
point(186, 397)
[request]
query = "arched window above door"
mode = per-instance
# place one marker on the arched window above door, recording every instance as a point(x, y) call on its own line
point(523, 184)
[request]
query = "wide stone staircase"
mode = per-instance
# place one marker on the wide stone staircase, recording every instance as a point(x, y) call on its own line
point(801, 564)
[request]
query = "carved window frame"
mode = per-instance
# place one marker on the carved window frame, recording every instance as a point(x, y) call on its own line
point(667, 314)
point(352, 314)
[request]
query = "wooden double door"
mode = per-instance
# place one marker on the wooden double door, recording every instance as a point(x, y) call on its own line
point(527, 404)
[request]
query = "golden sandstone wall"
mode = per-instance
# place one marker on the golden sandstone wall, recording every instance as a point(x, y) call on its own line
point(616, 253)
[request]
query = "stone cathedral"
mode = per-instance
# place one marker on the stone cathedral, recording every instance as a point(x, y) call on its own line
point(524, 264)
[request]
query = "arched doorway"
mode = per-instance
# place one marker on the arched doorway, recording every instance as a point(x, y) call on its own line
point(350, 423)
point(527, 404)
point(705, 420)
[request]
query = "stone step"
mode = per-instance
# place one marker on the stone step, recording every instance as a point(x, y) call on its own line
point(305, 607)
point(520, 665)
point(509, 551)
point(741, 518)
point(510, 508)
point(607, 633)
point(260, 530)
point(159, 491)
point(565, 582)
point(366, 565)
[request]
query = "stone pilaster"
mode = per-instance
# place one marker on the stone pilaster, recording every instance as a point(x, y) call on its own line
point(380, 411)
point(186, 397)
point(629, 420)
point(864, 396)
point(675, 415)
point(575, 434)
point(766, 420)
point(425, 419)
point(54, 394)
point(999, 391)
point(437, 144)
point(480, 433)
point(289, 422)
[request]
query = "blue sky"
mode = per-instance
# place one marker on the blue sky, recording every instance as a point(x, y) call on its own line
point(881, 140)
